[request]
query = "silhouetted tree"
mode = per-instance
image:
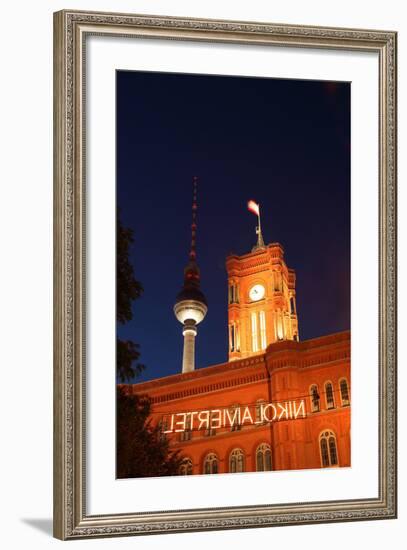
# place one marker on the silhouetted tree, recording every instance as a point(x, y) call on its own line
point(142, 449)
point(128, 289)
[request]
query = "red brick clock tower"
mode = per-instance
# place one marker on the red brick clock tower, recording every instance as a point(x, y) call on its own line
point(261, 300)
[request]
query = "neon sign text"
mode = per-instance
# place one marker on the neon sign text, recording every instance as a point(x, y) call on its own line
point(235, 416)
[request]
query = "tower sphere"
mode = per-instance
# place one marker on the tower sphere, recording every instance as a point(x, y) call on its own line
point(190, 310)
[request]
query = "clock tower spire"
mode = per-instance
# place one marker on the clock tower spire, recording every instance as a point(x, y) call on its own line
point(255, 208)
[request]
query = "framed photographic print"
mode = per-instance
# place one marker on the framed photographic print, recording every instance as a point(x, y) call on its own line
point(225, 274)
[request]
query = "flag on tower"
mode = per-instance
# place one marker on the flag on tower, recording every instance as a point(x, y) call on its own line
point(253, 207)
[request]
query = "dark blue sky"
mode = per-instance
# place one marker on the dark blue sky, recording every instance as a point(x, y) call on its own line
point(283, 143)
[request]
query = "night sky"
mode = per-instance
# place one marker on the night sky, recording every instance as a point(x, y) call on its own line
point(283, 143)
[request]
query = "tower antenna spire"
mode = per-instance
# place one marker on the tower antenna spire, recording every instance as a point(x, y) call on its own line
point(192, 252)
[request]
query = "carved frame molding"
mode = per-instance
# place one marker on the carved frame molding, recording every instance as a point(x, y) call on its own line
point(70, 31)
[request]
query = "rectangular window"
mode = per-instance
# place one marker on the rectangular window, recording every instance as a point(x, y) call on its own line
point(263, 336)
point(232, 337)
point(255, 345)
point(233, 294)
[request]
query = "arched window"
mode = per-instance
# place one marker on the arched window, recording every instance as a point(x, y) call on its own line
point(314, 398)
point(236, 461)
point(186, 467)
point(343, 385)
point(329, 452)
point(329, 395)
point(263, 458)
point(211, 464)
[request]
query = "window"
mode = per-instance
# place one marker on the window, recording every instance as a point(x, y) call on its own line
point(333, 455)
point(237, 337)
point(259, 333)
point(329, 395)
point(343, 385)
point(314, 398)
point(210, 464)
point(328, 449)
point(255, 346)
point(263, 458)
point(279, 325)
point(324, 453)
point(236, 461)
point(263, 336)
point(233, 293)
point(186, 467)
point(292, 305)
point(234, 337)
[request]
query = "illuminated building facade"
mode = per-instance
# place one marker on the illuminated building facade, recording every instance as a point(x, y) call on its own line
point(316, 372)
point(278, 403)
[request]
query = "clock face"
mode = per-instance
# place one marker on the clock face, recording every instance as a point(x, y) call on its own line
point(256, 293)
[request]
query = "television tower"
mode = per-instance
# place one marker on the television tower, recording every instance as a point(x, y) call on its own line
point(190, 307)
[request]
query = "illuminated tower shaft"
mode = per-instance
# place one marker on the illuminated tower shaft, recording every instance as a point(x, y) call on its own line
point(188, 357)
point(190, 307)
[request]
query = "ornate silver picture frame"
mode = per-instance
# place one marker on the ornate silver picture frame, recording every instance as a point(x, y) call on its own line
point(72, 29)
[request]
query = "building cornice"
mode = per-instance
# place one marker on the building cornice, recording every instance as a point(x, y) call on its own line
point(318, 352)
